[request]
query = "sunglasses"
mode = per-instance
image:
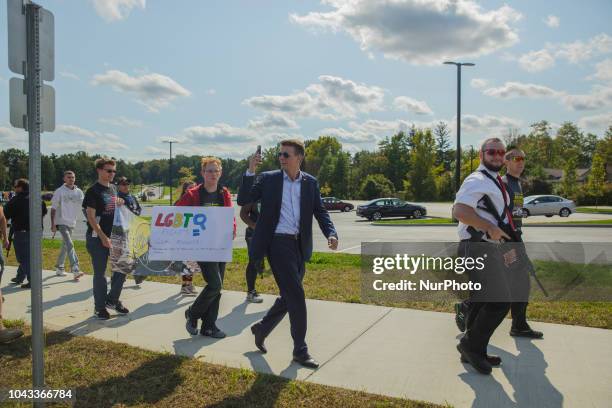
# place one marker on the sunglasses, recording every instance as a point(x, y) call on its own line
point(284, 154)
point(109, 171)
point(517, 158)
point(493, 152)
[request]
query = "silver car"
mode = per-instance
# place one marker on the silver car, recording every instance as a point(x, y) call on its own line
point(548, 205)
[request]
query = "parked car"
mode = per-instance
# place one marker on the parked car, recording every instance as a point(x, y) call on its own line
point(332, 203)
point(389, 207)
point(548, 205)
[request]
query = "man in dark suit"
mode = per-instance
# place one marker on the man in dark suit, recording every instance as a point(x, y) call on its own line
point(289, 199)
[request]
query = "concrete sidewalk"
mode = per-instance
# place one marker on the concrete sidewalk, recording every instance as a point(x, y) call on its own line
point(396, 352)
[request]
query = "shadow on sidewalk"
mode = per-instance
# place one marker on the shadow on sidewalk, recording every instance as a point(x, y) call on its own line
point(526, 373)
point(148, 384)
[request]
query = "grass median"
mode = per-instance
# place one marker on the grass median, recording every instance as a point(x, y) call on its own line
point(593, 210)
point(337, 277)
point(105, 374)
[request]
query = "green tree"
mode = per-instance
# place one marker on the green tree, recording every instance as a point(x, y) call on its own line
point(442, 135)
point(397, 152)
point(422, 159)
point(186, 175)
point(596, 182)
point(340, 176)
point(570, 183)
point(374, 186)
point(318, 150)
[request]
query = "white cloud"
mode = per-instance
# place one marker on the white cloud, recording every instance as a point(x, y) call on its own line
point(90, 134)
point(69, 75)
point(516, 89)
point(488, 124)
point(90, 147)
point(596, 122)
point(479, 83)
point(155, 91)
point(412, 105)
point(535, 61)
point(217, 133)
point(552, 21)
point(272, 121)
point(418, 31)
point(603, 70)
point(115, 10)
point(599, 97)
point(121, 121)
point(11, 137)
point(573, 52)
point(331, 98)
point(211, 91)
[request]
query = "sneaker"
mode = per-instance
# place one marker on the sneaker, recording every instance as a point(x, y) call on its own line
point(77, 275)
point(460, 316)
point(187, 290)
point(102, 314)
point(138, 279)
point(26, 285)
point(215, 333)
point(60, 272)
point(118, 307)
point(253, 297)
point(191, 324)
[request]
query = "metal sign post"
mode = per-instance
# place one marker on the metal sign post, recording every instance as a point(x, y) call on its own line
point(31, 53)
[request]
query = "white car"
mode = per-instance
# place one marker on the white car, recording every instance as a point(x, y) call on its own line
point(548, 205)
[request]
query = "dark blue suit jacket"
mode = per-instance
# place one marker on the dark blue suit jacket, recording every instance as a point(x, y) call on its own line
point(267, 188)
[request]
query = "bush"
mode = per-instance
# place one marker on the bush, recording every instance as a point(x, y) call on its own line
point(584, 198)
point(535, 186)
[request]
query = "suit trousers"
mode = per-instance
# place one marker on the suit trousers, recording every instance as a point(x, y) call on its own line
point(287, 264)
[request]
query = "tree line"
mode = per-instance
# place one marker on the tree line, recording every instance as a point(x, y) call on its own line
point(417, 164)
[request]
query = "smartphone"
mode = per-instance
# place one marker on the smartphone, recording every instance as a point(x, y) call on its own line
point(258, 150)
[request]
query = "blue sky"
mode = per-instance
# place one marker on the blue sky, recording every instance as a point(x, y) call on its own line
point(222, 77)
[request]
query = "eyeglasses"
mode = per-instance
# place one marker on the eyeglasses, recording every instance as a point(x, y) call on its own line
point(517, 158)
point(212, 171)
point(493, 152)
point(109, 171)
point(284, 154)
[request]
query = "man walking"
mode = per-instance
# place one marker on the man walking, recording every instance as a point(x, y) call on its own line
point(484, 316)
point(18, 211)
point(65, 207)
point(283, 233)
point(99, 205)
point(515, 164)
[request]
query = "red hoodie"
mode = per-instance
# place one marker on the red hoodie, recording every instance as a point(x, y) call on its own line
point(191, 198)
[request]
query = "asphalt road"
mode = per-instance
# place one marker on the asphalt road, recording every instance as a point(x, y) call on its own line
point(352, 230)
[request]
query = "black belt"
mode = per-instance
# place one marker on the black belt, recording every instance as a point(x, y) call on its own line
point(294, 237)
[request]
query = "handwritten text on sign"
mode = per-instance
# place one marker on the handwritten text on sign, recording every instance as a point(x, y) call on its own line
point(191, 234)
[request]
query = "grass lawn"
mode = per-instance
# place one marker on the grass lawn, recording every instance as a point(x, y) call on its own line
point(337, 277)
point(106, 374)
point(589, 222)
point(593, 210)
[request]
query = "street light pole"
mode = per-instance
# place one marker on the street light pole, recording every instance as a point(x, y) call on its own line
point(458, 150)
point(170, 167)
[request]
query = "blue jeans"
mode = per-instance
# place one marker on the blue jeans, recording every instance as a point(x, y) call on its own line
point(67, 249)
point(21, 243)
point(99, 259)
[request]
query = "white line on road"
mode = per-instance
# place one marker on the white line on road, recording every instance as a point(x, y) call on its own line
point(356, 246)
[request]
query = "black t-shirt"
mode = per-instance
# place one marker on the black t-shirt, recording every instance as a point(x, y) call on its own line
point(103, 200)
point(214, 199)
point(515, 205)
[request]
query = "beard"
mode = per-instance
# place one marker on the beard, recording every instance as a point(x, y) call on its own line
point(493, 167)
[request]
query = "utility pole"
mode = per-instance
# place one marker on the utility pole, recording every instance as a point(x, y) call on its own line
point(170, 167)
point(458, 151)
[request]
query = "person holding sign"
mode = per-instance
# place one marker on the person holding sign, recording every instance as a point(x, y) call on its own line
point(206, 305)
point(289, 199)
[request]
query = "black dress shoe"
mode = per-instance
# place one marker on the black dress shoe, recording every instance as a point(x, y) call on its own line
point(259, 338)
point(476, 360)
point(16, 281)
point(26, 285)
point(495, 361)
point(306, 360)
point(529, 333)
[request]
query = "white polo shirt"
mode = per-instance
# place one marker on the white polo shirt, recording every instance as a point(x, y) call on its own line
point(474, 187)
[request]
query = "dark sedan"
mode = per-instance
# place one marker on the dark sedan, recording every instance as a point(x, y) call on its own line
point(390, 207)
point(332, 203)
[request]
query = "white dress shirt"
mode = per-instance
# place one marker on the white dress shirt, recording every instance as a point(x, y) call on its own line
point(474, 187)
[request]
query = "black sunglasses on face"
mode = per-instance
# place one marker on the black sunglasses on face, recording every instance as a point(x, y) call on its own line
point(284, 154)
point(109, 171)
